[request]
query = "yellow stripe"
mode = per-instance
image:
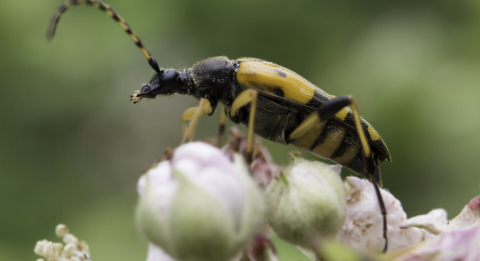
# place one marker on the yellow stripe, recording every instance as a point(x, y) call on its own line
point(373, 134)
point(306, 140)
point(304, 126)
point(348, 155)
point(330, 144)
point(265, 77)
point(342, 114)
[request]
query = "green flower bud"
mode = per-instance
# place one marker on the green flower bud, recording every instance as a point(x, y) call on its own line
point(306, 202)
point(200, 205)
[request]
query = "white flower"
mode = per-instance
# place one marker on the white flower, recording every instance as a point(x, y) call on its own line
point(74, 249)
point(200, 205)
point(363, 227)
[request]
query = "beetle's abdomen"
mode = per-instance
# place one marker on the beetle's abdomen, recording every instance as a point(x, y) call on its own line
point(333, 141)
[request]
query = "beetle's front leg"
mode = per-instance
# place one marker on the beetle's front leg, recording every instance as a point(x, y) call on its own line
point(245, 97)
point(192, 114)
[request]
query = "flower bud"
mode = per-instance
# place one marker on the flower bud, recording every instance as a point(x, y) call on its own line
point(200, 205)
point(306, 202)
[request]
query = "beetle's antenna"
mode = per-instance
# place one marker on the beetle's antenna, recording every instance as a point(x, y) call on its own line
point(107, 9)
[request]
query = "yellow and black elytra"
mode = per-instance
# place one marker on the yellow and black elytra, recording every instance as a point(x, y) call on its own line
point(273, 101)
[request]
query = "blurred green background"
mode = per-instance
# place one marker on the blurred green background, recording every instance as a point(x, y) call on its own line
point(72, 146)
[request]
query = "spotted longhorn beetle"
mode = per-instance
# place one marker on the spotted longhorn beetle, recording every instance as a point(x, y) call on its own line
point(273, 101)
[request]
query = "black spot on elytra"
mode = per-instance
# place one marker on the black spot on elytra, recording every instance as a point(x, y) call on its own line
point(278, 91)
point(275, 90)
point(282, 74)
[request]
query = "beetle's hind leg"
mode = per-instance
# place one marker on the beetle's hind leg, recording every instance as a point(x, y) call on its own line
point(192, 114)
point(247, 96)
point(337, 107)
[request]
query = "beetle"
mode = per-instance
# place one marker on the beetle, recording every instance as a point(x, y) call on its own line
point(273, 101)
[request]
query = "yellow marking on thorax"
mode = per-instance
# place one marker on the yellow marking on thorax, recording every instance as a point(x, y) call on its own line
point(274, 80)
point(373, 134)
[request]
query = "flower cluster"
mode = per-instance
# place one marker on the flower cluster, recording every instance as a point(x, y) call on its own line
point(202, 203)
point(74, 250)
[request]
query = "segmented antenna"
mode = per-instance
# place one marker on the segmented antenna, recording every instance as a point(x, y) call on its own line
point(107, 9)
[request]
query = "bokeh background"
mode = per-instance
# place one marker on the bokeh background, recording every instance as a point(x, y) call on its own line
point(72, 146)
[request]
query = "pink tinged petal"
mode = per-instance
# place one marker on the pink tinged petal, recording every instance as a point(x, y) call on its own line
point(468, 217)
point(453, 245)
point(436, 220)
point(457, 240)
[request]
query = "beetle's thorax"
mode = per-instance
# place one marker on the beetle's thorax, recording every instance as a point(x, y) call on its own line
point(211, 78)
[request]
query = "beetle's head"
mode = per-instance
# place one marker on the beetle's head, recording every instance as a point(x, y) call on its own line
point(163, 83)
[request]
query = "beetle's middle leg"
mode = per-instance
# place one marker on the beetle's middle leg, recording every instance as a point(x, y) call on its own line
point(192, 114)
point(245, 97)
point(338, 106)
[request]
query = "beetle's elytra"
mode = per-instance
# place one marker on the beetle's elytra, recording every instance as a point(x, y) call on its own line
point(273, 101)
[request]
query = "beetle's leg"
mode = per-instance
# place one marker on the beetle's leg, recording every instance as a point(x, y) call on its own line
point(192, 114)
point(221, 127)
point(337, 107)
point(247, 96)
